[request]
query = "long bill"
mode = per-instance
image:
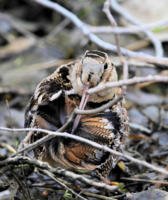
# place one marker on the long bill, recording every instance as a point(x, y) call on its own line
point(85, 97)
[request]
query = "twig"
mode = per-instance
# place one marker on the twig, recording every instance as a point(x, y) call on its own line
point(99, 109)
point(58, 29)
point(48, 173)
point(146, 180)
point(44, 166)
point(150, 78)
point(125, 74)
point(127, 30)
point(113, 22)
point(95, 39)
point(8, 147)
point(106, 10)
point(125, 69)
point(98, 196)
point(52, 134)
point(157, 44)
point(139, 127)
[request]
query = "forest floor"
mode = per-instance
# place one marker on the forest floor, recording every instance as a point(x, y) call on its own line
point(34, 41)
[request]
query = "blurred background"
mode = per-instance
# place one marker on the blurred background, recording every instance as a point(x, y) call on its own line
point(35, 40)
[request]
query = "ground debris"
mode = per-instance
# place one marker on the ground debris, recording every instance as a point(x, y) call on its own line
point(34, 41)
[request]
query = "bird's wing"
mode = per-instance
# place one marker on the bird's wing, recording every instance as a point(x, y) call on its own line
point(48, 99)
point(101, 128)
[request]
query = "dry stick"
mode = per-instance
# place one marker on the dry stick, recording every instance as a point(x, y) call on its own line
point(99, 109)
point(113, 22)
point(128, 30)
point(125, 74)
point(58, 29)
point(101, 196)
point(44, 166)
point(8, 147)
point(132, 81)
point(157, 44)
point(98, 196)
point(106, 10)
point(52, 134)
point(95, 39)
point(48, 173)
point(139, 127)
point(146, 180)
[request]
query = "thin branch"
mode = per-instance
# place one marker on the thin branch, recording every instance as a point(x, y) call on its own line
point(157, 44)
point(58, 29)
point(48, 173)
point(52, 134)
point(98, 196)
point(95, 39)
point(128, 30)
point(161, 182)
point(139, 127)
point(106, 10)
point(132, 81)
point(125, 74)
point(99, 109)
point(113, 22)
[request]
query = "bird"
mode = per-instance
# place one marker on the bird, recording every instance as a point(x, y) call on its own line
point(54, 100)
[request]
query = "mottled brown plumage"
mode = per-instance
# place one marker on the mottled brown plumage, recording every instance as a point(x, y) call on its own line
point(50, 107)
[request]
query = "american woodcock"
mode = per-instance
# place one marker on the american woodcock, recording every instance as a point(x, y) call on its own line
point(52, 104)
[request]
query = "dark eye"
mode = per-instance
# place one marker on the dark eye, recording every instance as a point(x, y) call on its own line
point(89, 77)
point(105, 66)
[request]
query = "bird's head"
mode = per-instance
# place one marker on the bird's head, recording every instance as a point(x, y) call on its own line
point(93, 69)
